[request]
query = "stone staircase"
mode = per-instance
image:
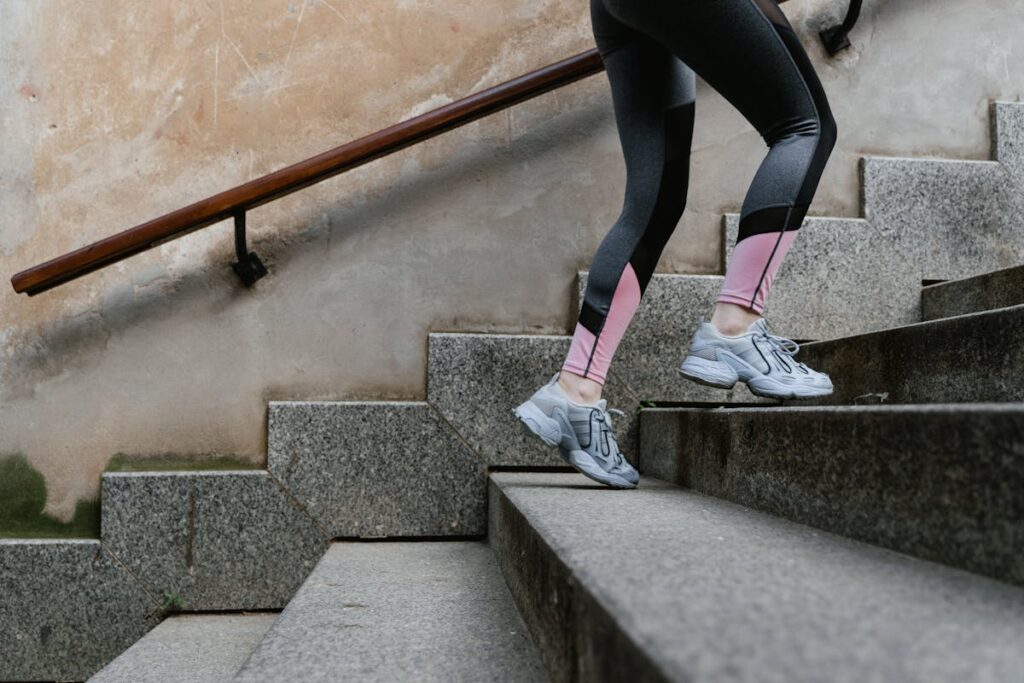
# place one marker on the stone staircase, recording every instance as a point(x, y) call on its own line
point(876, 542)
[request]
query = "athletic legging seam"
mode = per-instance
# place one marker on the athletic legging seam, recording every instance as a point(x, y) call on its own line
point(597, 336)
point(817, 141)
point(769, 261)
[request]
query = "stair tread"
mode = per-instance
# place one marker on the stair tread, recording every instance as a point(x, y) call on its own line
point(189, 648)
point(396, 611)
point(708, 590)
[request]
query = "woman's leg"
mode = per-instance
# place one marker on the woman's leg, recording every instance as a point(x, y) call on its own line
point(653, 99)
point(748, 52)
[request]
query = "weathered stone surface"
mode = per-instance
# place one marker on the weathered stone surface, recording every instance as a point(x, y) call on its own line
point(477, 380)
point(189, 648)
point(399, 612)
point(948, 219)
point(377, 468)
point(676, 586)
point(997, 289)
point(658, 338)
point(841, 277)
point(976, 357)
point(939, 482)
point(66, 609)
point(210, 540)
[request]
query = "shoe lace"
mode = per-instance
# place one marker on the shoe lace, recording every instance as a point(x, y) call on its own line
point(783, 345)
point(606, 432)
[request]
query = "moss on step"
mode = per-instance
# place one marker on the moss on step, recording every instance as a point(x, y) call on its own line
point(22, 499)
point(172, 462)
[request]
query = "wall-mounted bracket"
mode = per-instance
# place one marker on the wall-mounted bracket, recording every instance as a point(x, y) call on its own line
point(837, 38)
point(248, 267)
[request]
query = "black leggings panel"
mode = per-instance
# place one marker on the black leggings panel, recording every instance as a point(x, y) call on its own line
point(748, 52)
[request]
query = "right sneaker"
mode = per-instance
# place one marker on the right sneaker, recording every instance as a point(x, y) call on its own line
point(583, 434)
point(762, 360)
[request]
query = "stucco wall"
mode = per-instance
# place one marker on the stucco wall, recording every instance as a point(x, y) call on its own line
point(115, 111)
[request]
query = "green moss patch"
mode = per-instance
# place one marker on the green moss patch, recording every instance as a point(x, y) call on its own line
point(122, 462)
point(22, 498)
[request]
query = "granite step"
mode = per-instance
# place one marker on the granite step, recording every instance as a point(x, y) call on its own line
point(941, 482)
point(67, 607)
point(665, 584)
point(969, 358)
point(377, 468)
point(399, 611)
point(206, 541)
point(951, 218)
point(476, 380)
point(189, 648)
point(998, 289)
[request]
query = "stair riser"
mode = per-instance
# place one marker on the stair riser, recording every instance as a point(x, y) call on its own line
point(377, 468)
point(983, 293)
point(211, 540)
point(940, 484)
point(950, 219)
point(975, 358)
point(578, 640)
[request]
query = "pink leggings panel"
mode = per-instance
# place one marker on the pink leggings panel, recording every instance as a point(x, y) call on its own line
point(590, 356)
point(750, 273)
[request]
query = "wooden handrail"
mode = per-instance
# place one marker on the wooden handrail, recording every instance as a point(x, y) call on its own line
point(236, 201)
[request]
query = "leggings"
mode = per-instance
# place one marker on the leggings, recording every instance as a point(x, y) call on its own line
point(747, 51)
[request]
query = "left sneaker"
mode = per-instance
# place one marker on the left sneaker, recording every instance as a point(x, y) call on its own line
point(763, 360)
point(583, 434)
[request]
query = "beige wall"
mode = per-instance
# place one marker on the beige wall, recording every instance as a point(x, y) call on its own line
point(115, 111)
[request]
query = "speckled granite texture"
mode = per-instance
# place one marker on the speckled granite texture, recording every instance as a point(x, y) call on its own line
point(677, 586)
point(939, 482)
point(477, 380)
point(215, 540)
point(66, 609)
point(948, 219)
point(976, 357)
point(841, 277)
point(997, 289)
point(658, 338)
point(377, 468)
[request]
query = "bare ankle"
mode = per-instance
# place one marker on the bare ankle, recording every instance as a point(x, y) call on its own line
point(579, 389)
point(731, 319)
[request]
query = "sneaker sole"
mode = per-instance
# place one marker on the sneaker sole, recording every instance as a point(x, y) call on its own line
point(772, 389)
point(722, 376)
point(588, 467)
point(709, 373)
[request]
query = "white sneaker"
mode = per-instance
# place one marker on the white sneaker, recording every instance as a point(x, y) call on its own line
point(763, 360)
point(582, 433)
